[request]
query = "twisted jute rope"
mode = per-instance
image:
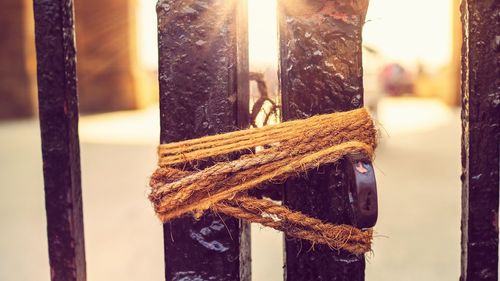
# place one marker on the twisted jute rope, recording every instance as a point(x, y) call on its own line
point(185, 182)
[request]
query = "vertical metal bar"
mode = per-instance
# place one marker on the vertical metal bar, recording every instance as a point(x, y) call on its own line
point(320, 72)
point(58, 109)
point(199, 71)
point(243, 121)
point(480, 139)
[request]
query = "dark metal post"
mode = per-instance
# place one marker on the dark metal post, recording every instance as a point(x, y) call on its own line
point(200, 66)
point(58, 107)
point(320, 72)
point(480, 139)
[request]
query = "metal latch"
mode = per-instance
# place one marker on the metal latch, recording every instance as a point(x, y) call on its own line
point(362, 191)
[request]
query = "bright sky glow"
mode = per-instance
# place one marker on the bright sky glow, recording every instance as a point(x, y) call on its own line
point(262, 32)
point(147, 36)
point(411, 31)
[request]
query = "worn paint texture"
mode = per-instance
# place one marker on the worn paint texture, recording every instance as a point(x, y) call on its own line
point(58, 107)
point(320, 72)
point(480, 139)
point(198, 74)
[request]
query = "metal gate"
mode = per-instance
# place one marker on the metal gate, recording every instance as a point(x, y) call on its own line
point(203, 76)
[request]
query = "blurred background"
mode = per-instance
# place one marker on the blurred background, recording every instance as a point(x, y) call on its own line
point(411, 54)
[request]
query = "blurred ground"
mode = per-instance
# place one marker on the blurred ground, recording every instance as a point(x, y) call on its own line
point(418, 169)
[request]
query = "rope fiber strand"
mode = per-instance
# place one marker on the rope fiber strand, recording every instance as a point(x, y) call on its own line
point(186, 182)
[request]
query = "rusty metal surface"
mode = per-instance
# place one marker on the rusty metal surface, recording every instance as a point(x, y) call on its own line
point(199, 95)
point(480, 139)
point(320, 72)
point(58, 109)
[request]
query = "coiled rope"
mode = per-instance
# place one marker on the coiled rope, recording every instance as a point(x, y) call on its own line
point(185, 182)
